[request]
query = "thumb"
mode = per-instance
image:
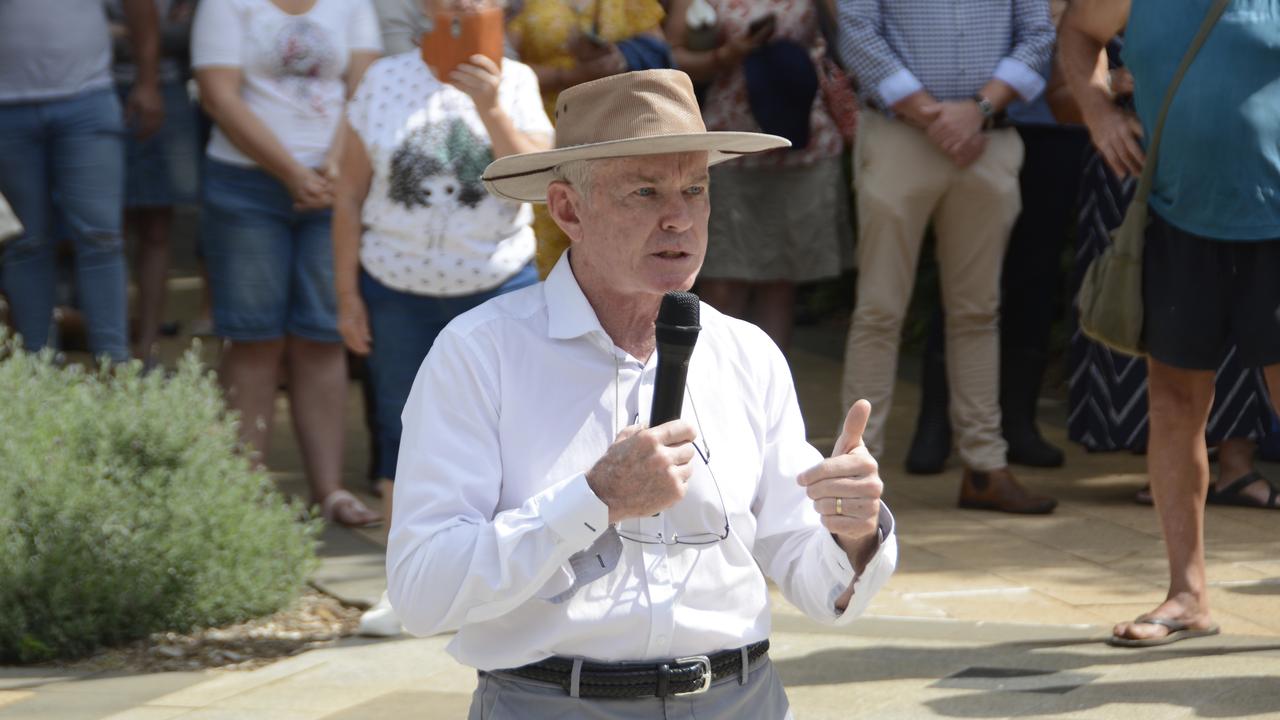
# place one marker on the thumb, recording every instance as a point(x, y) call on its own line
point(855, 423)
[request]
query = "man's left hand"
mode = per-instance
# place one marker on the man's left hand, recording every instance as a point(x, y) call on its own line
point(846, 489)
point(956, 124)
point(144, 110)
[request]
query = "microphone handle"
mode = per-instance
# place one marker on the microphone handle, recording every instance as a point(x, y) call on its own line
point(668, 386)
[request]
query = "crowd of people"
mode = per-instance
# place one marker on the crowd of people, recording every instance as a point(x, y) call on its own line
point(343, 209)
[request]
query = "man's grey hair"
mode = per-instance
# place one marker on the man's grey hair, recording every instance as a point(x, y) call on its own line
point(577, 173)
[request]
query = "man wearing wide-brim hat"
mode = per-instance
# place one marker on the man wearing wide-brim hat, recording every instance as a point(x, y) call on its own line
point(592, 566)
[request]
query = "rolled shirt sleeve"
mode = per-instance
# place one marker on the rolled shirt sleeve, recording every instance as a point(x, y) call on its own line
point(867, 54)
point(450, 558)
point(1027, 64)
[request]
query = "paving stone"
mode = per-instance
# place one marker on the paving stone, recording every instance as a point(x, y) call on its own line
point(408, 704)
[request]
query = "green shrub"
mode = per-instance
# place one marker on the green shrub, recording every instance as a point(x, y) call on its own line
point(126, 509)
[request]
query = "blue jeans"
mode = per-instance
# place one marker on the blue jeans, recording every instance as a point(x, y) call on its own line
point(404, 327)
point(66, 154)
point(270, 266)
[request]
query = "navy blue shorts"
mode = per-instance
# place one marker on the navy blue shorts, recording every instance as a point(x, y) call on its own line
point(1200, 296)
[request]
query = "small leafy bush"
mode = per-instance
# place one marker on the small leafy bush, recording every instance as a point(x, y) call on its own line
point(126, 508)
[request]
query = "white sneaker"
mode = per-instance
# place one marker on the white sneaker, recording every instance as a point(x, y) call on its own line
point(380, 620)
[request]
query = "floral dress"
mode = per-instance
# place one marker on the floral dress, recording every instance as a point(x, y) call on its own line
point(727, 107)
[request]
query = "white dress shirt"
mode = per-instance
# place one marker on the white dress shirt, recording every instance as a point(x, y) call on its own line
point(515, 402)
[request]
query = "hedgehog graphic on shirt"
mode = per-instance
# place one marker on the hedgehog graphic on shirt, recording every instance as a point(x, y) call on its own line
point(439, 167)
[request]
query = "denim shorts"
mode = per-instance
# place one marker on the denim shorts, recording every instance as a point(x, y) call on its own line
point(270, 267)
point(163, 170)
point(404, 326)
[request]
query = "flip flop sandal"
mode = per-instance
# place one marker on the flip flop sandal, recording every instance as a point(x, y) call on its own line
point(339, 506)
point(1178, 630)
point(1233, 494)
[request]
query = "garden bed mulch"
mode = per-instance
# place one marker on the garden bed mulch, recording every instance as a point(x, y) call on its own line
point(314, 620)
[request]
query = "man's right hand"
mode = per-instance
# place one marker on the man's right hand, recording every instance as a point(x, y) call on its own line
point(969, 151)
point(645, 471)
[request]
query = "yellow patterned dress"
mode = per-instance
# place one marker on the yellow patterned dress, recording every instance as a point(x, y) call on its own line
point(542, 31)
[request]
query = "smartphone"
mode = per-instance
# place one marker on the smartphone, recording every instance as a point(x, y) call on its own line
point(455, 37)
point(761, 22)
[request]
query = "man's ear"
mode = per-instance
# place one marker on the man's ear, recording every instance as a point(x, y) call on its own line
point(563, 204)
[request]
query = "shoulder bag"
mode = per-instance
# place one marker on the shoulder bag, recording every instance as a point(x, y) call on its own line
point(1110, 297)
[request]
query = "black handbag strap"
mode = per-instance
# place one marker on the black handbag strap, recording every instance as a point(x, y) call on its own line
point(1153, 150)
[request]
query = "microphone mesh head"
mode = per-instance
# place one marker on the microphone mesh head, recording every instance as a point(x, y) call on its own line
point(679, 309)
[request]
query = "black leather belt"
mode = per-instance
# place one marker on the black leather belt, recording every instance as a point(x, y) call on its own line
point(682, 676)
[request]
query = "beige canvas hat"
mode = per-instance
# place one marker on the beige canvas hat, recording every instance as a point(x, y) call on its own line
point(649, 112)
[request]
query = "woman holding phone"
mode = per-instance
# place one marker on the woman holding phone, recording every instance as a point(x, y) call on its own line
point(778, 218)
point(417, 238)
point(274, 75)
point(569, 42)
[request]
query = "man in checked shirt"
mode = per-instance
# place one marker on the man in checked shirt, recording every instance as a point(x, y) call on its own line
point(934, 146)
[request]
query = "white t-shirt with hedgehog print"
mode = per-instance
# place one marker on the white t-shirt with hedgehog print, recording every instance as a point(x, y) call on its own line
point(430, 226)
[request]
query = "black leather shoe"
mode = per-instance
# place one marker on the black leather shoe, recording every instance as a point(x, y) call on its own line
point(1021, 372)
point(1026, 447)
point(930, 446)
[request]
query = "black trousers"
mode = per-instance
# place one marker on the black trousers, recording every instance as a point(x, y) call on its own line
point(1032, 292)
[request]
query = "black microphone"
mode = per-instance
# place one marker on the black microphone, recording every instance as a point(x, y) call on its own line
point(677, 330)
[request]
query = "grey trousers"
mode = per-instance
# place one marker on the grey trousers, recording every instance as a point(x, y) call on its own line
point(505, 697)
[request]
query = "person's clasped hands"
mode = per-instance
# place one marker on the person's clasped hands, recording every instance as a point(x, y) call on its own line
point(956, 128)
point(311, 188)
point(602, 58)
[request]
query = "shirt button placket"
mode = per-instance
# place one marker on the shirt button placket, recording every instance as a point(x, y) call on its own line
point(661, 596)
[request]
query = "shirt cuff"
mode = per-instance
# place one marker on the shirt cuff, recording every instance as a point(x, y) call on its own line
point(876, 573)
point(1019, 76)
point(573, 512)
point(898, 86)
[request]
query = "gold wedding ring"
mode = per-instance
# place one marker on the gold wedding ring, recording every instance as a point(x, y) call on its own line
point(839, 506)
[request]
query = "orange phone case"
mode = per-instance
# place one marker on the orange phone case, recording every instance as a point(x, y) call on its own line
point(457, 36)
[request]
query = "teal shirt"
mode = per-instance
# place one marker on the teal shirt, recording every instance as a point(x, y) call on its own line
point(1219, 169)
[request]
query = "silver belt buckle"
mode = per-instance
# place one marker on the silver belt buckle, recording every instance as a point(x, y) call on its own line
point(705, 663)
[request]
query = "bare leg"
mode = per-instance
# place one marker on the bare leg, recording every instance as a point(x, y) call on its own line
point(203, 323)
point(1235, 459)
point(1178, 466)
point(1272, 373)
point(249, 374)
point(152, 226)
point(773, 308)
point(728, 296)
point(318, 401)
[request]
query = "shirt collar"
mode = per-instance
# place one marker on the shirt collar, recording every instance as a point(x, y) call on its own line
point(569, 313)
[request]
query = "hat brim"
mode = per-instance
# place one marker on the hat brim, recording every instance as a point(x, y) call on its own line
point(524, 177)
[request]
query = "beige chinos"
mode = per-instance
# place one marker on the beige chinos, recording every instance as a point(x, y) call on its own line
point(903, 181)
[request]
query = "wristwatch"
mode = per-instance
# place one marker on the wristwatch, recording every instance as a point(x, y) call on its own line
point(987, 109)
